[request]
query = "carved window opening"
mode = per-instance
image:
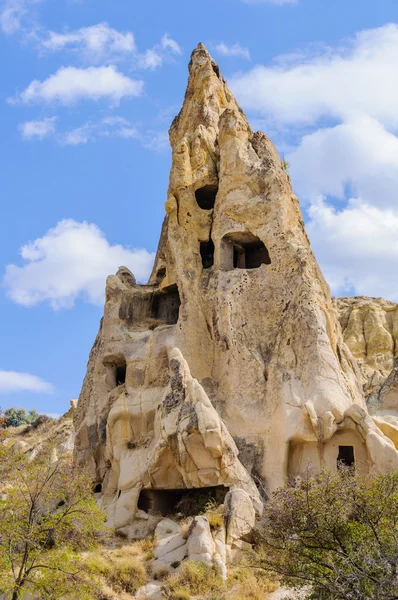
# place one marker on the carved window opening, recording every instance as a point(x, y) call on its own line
point(243, 251)
point(161, 273)
point(346, 456)
point(207, 254)
point(186, 502)
point(116, 368)
point(206, 196)
point(165, 305)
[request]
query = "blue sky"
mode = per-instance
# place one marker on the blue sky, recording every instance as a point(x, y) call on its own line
point(89, 88)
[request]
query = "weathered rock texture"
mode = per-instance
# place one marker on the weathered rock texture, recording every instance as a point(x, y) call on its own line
point(370, 329)
point(230, 366)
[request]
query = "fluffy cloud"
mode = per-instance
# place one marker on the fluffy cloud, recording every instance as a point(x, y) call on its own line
point(341, 83)
point(155, 57)
point(69, 84)
point(12, 13)
point(232, 50)
point(357, 247)
point(31, 130)
point(359, 157)
point(12, 381)
point(70, 261)
point(103, 43)
point(97, 42)
point(107, 127)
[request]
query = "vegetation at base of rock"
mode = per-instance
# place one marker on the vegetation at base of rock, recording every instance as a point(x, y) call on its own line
point(47, 518)
point(194, 579)
point(335, 532)
point(214, 514)
point(198, 580)
point(15, 417)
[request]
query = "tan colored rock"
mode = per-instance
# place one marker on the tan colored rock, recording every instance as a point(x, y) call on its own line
point(230, 366)
point(370, 329)
point(239, 515)
point(200, 542)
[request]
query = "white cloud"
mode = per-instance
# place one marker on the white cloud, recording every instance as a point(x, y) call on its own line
point(69, 84)
point(156, 56)
point(70, 261)
point(12, 13)
point(360, 154)
point(232, 50)
point(91, 131)
point(97, 43)
point(12, 381)
point(341, 83)
point(357, 247)
point(38, 129)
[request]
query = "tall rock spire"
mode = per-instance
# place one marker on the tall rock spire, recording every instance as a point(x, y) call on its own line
point(230, 364)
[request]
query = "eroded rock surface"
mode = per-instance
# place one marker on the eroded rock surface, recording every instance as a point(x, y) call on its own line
point(370, 329)
point(229, 368)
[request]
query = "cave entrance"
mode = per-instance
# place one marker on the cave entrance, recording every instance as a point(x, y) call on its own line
point(243, 251)
point(346, 456)
point(166, 305)
point(207, 253)
point(185, 502)
point(116, 368)
point(206, 196)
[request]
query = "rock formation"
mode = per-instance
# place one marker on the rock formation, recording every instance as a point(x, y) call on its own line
point(229, 368)
point(370, 329)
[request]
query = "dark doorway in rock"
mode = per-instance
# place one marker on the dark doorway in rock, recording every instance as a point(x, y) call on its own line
point(243, 251)
point(166, 305)
point(206, 196)
point(98, 488)
point(207, 254)
point(346, 456)
point(184, 502)
point(121, 373)
point(250, 255)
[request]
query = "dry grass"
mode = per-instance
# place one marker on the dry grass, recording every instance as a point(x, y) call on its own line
point(194, 579)
point(215, 515)
point(121, 570)
point(249, 584)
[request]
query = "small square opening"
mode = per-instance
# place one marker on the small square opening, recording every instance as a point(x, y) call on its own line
point(243, 251)
point(346, 456)
point(207, 254)
point(206, 196)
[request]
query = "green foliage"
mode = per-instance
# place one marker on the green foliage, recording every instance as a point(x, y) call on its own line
point(47, 517)
point(337, 533)
point(14, 417)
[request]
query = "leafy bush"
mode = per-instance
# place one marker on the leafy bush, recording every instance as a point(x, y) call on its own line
point(14, 417)
point(335, 532)
point(47, 517)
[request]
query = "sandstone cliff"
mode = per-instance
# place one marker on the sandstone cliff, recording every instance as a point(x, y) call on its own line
point(229, 368)
point(370, 329)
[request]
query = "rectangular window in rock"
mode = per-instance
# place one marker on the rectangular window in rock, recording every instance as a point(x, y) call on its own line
point(346, 456)
point(166, 305)
point(207, 254)
point(243, 251)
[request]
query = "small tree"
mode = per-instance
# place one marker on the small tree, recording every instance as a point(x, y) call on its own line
point(336, 533)
point(14, 417)
point(47, 515)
